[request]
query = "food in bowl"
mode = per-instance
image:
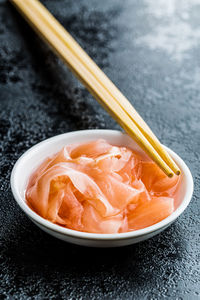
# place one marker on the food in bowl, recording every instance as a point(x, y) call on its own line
point(101, 188)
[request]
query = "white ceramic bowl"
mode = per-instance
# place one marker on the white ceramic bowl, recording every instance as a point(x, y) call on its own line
point(35, 155)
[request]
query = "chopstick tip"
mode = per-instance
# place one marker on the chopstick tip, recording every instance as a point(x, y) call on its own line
point(178, 172)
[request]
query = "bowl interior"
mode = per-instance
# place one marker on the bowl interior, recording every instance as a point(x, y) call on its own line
point(29, 161)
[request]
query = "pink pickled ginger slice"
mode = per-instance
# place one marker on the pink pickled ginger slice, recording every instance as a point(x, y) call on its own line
point(100, 188)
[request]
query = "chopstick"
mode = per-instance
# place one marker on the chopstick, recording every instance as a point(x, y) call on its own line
point(95, 80)
point(105, 81)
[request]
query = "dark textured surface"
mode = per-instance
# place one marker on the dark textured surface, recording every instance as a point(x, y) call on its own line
point(150, 49)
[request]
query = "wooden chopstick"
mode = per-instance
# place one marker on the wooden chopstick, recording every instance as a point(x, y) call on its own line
point(95, 80)
point(105, 81)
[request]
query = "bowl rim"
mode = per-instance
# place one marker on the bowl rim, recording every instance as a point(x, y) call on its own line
point(99, 236)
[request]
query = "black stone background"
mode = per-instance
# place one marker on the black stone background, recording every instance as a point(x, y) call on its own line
point(151, 52)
